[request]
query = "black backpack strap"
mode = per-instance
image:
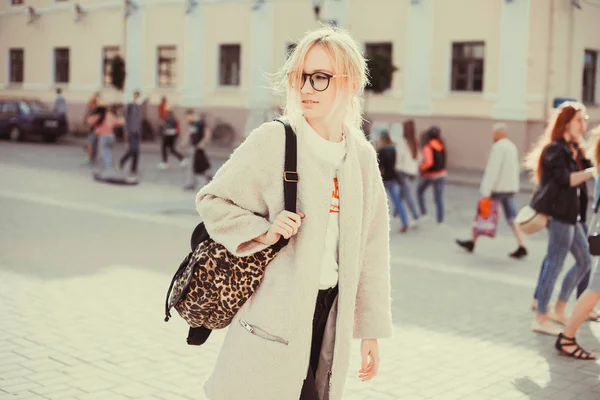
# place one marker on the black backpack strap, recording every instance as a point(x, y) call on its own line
point(290, 172)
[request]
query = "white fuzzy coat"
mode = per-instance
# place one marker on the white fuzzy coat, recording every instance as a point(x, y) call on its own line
point(240, 204)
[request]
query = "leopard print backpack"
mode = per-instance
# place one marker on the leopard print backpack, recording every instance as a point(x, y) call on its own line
point(211, 284)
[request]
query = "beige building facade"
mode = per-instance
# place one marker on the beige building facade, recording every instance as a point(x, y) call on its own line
point(461, 64)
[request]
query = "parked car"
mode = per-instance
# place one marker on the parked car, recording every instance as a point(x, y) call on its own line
point(21, 118)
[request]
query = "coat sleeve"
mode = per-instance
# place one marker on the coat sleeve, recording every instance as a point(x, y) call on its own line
point(492, 171)
point(234, 204)
point(373, 315)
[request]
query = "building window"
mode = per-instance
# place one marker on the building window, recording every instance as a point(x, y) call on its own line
point(17, 2)
point(167, 66)
point(467, 66)
point(16, 65)
point(590, 68)
point(108, 53)
point(229, 68)
point(379, 53)
point(61, 65)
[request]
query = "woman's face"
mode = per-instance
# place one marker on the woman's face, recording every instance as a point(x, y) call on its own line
point(317, 104)
point(578, 124)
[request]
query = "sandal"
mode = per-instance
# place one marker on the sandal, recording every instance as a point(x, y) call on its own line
point(579, 353)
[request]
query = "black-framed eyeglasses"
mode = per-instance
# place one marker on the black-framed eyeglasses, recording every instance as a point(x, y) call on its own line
point(318, 80)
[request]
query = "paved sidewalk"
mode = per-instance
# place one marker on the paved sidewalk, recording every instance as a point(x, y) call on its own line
point(84, 269)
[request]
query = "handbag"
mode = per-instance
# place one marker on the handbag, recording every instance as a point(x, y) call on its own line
point(593, 236)
point(211, 284)
point(530, 221)
point(486, 218)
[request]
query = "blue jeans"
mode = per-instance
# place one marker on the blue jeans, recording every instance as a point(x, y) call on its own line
point(438, 195)
point(562, 238)
point(105, 143)
point(406, 193)
point(393, 190)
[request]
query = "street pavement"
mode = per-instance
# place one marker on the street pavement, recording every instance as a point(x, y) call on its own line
point(84, 268)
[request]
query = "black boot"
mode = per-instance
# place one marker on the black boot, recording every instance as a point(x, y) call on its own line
point(468, 245)
point(519, 253)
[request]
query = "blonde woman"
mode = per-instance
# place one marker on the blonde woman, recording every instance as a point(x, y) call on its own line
point(331, 283)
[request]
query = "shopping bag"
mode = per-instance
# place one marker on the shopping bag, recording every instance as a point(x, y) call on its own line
point(486, 218)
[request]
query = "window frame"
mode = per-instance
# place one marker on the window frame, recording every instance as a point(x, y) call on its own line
point(105, 67)
point(56, 65)
point(171, 63)
point(592, 74)
point(225, 70)
point(470, 63)
point(10, 66)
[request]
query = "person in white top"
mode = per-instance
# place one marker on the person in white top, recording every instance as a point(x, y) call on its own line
point(407, 164)
point(501, 181)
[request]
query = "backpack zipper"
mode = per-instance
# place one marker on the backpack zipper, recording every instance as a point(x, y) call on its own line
point(262, 333)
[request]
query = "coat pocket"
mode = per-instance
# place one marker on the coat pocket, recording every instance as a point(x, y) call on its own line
point(256, 331)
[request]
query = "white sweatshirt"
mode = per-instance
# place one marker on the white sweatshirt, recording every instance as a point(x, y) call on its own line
point(502, 170)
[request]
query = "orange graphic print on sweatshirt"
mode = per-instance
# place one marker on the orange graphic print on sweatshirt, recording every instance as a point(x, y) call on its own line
point(335, 198)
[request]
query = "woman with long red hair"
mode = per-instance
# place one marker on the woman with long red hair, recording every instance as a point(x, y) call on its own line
point(561, 169)
point(566, 343)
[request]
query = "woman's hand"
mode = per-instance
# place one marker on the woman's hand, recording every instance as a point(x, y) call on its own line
point(369, 352)
point(286, 224)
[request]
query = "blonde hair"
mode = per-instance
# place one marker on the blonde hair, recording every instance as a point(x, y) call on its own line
point(350, 69)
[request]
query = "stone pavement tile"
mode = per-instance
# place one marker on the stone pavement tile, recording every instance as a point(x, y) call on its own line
point(101, 395)
point(587, 396)
point(16, 371)
point(49, 378)
point(42, 364)
point(51, 390)
point(17, 384)
point(94, 384)
point(134, 390)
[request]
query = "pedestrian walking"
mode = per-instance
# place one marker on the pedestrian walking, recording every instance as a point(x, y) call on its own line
point(560, 170)
point(133, 129)
point(407, 165)
point(330, 284)
point(501, 182)
point(60, 104)
point(104, 121)
point(386, 154)
point(92, 142)
point(171, 131)
point(198, 137)
point(433, 172)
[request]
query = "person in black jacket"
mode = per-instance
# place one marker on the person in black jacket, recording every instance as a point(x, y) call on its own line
point(561, 170)
point(566, 343)
point(386, 154)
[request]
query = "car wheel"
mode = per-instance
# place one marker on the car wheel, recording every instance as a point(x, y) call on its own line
point(15, 134)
